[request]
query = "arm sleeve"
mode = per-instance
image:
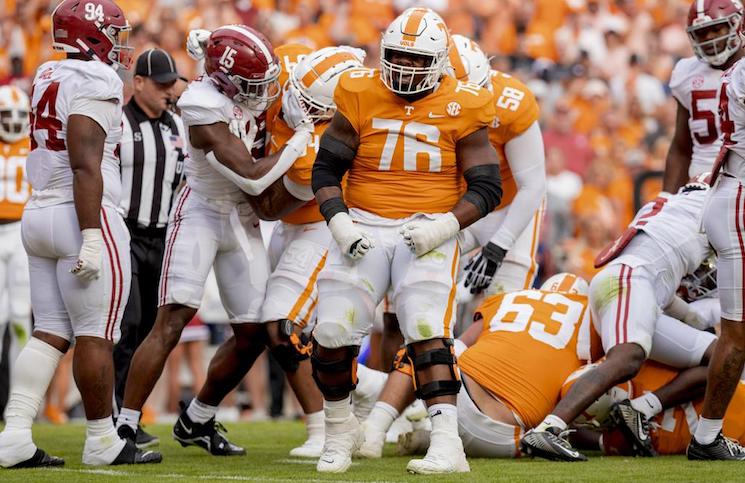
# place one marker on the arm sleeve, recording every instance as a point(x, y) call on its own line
point(105, 113)
point(525, 155)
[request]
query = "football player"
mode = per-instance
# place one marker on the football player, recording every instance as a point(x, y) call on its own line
point(15, 304)
point(413, 144)
point(212, 225)
point(715, 31)
point(642, 271)
point(508, 236)
point(725, 227)
point(506, 387)
point(76, 241)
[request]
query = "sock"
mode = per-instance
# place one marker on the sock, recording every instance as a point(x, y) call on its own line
point(199, 412)
point(315, 425)
point(99, 428)
point(551, 420)
point(102, 444)
point(381, 417)
point(648, 404)
point(338, 409)
point(447, 424)
point(128, 417)
point(707, 430)
point(32, 373)
point(369, 382)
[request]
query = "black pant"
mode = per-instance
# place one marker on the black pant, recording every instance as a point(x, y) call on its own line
point(146, 248)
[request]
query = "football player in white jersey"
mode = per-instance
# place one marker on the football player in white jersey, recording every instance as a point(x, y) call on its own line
point(724, 222)
point(642, 270)
point(716, 38)
point(76, 241)
point(15, 303)
point(213, 225)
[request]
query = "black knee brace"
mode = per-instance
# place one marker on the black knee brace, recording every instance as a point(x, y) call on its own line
point(293, 349)
point(336, 378)
point(444, 356)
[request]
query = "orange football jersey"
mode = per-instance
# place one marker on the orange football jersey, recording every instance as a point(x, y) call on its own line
point(288, 55)
point(673, 433)
point(531, 342)
point(406, 162)
point(517, 109)
point(301, 170)
point(14, 188)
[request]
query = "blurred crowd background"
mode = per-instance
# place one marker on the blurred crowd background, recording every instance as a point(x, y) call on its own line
point(600, 69)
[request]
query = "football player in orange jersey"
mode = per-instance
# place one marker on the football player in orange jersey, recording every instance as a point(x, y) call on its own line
point(408, 138)
point(15, 298)
point(508, 236)
point(507, 388)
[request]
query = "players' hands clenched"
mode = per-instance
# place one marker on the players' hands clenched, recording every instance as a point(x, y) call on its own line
point(353, 242)
point(196, 42)
point(480, 269)
point(88, 266)
point(293, 112)
point(425, 234)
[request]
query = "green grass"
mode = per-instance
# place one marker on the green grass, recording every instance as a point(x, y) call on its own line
point(268, 461)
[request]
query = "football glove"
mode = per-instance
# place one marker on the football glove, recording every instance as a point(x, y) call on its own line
point(293, 112)
point(425, 234)
point(480, 269)
point(353, 242)
point(88, 266)
point(196, 42)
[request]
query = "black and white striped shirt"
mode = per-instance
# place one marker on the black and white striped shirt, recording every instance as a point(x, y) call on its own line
point(152, 162)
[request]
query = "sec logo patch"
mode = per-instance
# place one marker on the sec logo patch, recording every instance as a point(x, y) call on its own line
point(453, 109)
point(697, 81)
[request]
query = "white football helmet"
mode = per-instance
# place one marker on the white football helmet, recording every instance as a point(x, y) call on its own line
point(419, 32)
point(566, 283)
point(14, 109)
point(467, 62)
point(315, 76)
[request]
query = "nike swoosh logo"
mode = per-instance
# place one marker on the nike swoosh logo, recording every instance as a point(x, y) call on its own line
point(640, 428)
point(435, 116)
point(326, 460)
point(188, 430)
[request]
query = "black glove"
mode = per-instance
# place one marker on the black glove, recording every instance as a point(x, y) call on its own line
point(480, 269)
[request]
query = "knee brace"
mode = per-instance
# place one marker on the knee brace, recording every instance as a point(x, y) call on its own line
point(293, 349)
point(335, 378)
point(402, 364)
point(444, 356)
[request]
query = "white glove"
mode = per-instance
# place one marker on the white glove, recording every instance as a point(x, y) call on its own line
point(353, 242)
point(238, 129)
point(88, 266)
point(196, 42)
point(424, 235)
point(295, 115)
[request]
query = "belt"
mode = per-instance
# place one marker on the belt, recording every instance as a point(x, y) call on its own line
point(136, 228)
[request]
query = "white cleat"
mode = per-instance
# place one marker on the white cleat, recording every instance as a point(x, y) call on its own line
point(373, 442)
point(445, 455)
point(312, 448)
point(15, 447)
point(343, 438)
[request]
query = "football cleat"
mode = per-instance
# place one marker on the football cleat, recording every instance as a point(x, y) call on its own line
point(343, 438)
point(721, 449)
point(310, 449)
point(127, 433)
point(444, 455)
point(130, 455)
point(40, 459)
point(550, 444)
point(634, 426)
point(208, 435)
point(372, 443)
point(144, 439)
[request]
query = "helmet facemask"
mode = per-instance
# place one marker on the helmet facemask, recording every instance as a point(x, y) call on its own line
point(121, 53)
point(257, 94)
point(316, 110)
point(718, 50)
point(14, 124)
point(408, 79)
point(700, 284)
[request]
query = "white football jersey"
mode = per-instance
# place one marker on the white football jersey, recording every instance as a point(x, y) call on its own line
point(59, 89)
point(732, 114)
point(673, 222)
point(203, 104)
point(695, 84)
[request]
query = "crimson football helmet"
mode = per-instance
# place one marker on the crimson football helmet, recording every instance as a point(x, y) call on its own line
point(708, 15)
point(97, 29)
point(243, 64)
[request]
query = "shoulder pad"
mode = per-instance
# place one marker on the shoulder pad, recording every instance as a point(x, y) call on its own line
point(97, 80)
point(500, 81)
point(468, 95)
point(681, 69)
point(203, 94)
point(358, 80)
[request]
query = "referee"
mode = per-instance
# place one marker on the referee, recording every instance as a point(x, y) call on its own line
point(152, 158)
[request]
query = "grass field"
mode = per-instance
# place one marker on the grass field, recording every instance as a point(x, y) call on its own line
point(268, 461)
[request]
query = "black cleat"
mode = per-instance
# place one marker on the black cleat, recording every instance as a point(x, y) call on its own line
point(127, 433)
point(130, 455)
point(721, 449)
point(144, 439)
point(40, 459)
point(634, 426)
point(207, 435)
point(550, 444)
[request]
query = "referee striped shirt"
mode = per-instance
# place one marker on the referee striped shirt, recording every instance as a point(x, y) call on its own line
point(152, 155)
